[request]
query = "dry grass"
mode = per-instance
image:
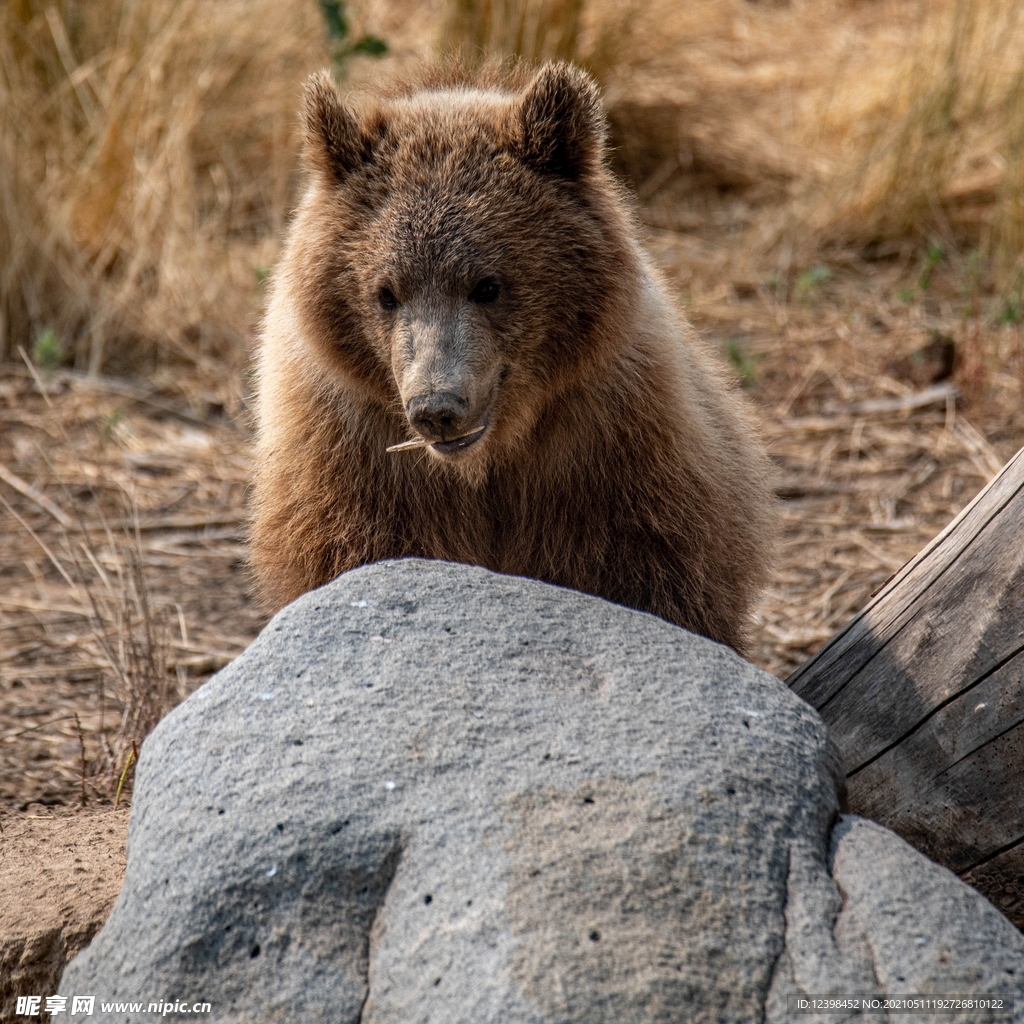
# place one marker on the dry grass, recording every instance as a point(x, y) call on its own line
point(834, 188)
point(127, 638)
point(146, 164)
point(874, 455)
point(107, 622)
point(937, 153)
point(147, 150)
point(532, 29)
point(594, 35)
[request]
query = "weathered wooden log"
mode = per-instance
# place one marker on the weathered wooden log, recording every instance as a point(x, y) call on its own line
point(924, 693)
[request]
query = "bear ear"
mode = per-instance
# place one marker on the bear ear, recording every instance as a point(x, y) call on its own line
point(561, 122)
point(334, 142)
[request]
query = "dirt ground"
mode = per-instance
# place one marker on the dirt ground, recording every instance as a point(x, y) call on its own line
point(888, 375)
point(59, 877)
point(127, 537)
point(123, 520)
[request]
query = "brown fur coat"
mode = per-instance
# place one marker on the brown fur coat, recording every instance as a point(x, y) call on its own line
point(463, 260)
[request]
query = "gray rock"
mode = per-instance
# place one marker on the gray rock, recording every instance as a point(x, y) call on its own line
point(428, 793)
point(929, 932)
point(890, 922)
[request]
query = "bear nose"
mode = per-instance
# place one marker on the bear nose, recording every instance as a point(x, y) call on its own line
point(439, 416)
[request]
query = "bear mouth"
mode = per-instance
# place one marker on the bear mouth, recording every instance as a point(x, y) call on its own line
point(459, 444)
point(456, 444)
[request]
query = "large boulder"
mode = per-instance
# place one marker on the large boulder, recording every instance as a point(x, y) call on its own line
point(429, 793)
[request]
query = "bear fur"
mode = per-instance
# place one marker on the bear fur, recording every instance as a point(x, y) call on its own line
point(463, 262)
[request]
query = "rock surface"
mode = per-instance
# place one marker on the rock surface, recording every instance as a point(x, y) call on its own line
point(428, 793)
point(59, 877)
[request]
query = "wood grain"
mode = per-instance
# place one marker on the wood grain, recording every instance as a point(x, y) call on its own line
point(924, 693)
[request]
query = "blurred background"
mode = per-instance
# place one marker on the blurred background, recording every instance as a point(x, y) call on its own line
point(833, 188)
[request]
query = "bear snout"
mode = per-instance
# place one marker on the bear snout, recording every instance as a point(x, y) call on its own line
point(439, 416)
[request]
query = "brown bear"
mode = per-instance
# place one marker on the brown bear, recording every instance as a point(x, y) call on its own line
point(463, 272)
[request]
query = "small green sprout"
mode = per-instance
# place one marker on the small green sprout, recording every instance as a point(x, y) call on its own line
point(336, 21)
point(111, 422)
point(744, 363)
point(933, 257)
point(1011, 312)
point(372, 46)
point(48, 350)
point(334, 15)
point(810, 281)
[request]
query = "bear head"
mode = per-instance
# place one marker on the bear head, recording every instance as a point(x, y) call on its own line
point(463, 254)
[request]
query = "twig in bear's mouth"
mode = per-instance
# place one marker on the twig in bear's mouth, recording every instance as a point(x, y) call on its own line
point(404, 446)
point(422, 442)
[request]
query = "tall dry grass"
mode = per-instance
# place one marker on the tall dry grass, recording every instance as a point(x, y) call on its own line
point(132, 637)
point(147, 147)
point(597, 36)
point(129, 634)
point(146, 160)
point(854, 123)
point(129, 638)
point(931, 144)
point(533, 29)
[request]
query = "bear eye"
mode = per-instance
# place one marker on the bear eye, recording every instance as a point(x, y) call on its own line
point(386, 297)
point(485, 291)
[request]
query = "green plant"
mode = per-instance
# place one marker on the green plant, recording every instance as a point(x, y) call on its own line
point(809, 283)
point(336, 21)
point(1011, 312)
point(1013, 302)
point(111, 422)
point(47, 351)
point(972, 282)
point(933, 257)
point(743, 362)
